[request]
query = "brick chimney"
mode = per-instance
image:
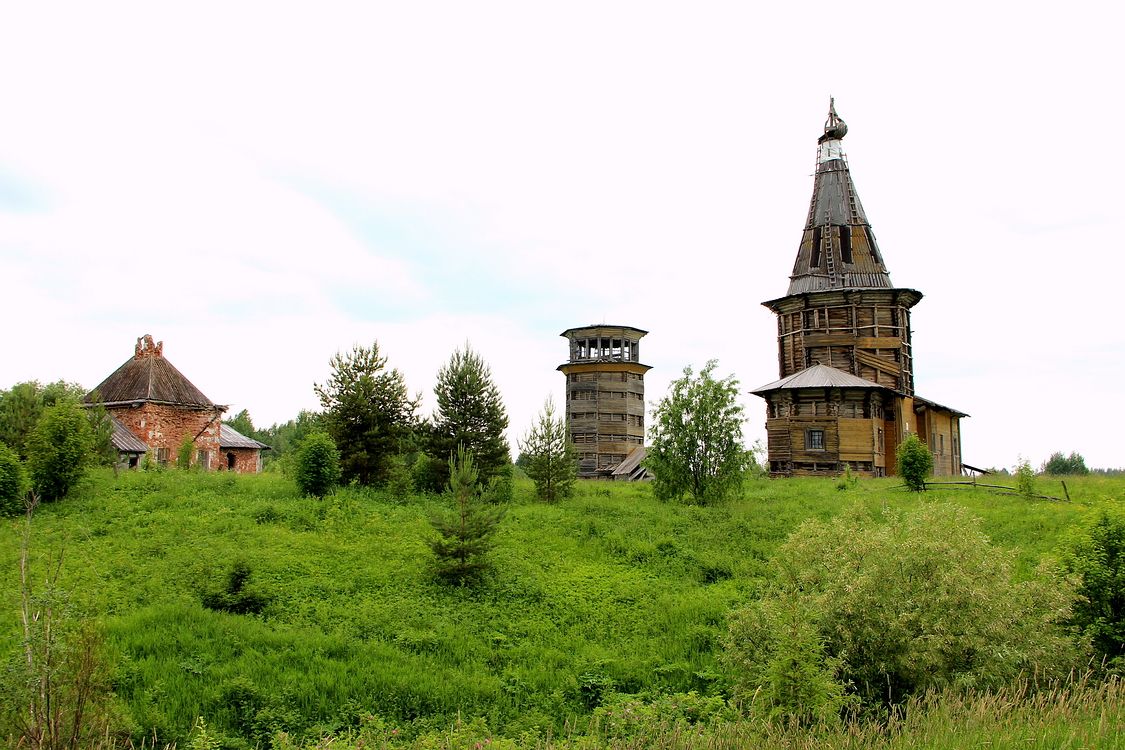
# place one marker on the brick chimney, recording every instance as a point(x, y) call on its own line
point(146, 347)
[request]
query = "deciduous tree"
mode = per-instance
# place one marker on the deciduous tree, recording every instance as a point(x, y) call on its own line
point(367, 411)
point(696, 447)
point(549, 457)
point(59, 449)
point(1060, 464)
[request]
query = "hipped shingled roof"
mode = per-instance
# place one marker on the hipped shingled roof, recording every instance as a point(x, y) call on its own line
point(818, 376)
point(148, 376)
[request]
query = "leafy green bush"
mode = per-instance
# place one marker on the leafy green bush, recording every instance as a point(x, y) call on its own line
point(1025, 478)
point(916, 602)
point(185, 453)
point(13, 482)
point(59, 449)
point(318, 465)
point(1096, 554)
point(914, 462)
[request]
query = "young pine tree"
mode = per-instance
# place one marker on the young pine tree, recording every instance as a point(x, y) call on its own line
point(465, 536)
point(549, 456)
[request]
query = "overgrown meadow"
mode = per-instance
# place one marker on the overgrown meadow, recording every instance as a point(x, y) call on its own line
point(605, 594)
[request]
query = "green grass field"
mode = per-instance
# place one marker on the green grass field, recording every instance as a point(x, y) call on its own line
point(607, 592)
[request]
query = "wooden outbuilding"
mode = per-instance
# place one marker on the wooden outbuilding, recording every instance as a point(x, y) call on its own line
point(845, 397)
point(605, 400)
point(154, 407)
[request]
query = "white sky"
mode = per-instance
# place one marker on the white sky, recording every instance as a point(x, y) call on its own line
point(261, 185)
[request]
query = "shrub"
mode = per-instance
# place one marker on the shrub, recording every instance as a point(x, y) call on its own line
point(59, 449)
point(915, 462)
point(318, 465)
point(13, 482)
point(234, 595)
point(921, 601)
point(1096, 554)
point(185, 453)
point(1025, 478)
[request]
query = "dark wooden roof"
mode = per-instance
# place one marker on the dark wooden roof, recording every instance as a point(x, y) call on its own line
point(148, 376)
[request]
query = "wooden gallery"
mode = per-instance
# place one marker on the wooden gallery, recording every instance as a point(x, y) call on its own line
point(845, 397)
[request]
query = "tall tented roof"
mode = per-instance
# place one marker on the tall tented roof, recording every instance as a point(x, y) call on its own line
point(818, 376)
point(148, 376)
point(838, 248)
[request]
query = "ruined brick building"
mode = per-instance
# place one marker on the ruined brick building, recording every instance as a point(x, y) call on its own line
point(846, 396)
point(154, 407)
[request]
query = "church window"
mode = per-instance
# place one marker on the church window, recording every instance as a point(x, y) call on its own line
point(846, 243)
point(814, 440)
point(815, 262)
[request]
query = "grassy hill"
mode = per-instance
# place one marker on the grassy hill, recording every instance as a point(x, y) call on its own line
point(610, 591)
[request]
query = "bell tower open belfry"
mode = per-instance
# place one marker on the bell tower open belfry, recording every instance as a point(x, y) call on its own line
point(845, 354)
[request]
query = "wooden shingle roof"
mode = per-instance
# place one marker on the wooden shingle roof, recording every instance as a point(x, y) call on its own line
point(818, 376)
point(838, 248)
point(149, 377)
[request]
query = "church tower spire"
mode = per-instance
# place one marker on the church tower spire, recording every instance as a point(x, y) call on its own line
point(838, 248)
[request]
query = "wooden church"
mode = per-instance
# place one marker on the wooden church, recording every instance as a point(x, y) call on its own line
point(845, 397)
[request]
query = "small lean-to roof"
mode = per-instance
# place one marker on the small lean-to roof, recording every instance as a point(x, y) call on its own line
point(631, 462)
point(232, 438)
point(148, 376)
point(124, 440)
point(818, 376)
point(935, 405)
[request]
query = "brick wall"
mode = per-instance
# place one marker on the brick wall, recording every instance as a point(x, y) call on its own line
point(240, 460)
point(164, 427)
